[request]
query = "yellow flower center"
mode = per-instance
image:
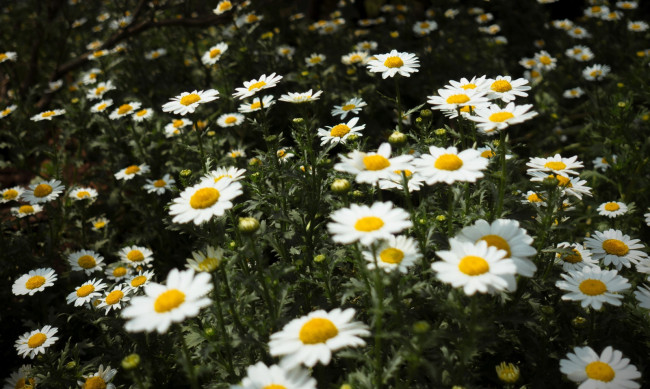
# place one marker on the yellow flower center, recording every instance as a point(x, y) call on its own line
point(576, 257)
point(119, 271)
point(534, 198)
point(42, 190)
point(457, 99)
point(36, 340)
point(48, 114)
point(3, 56)
point(448, 162)
point(101, 107)
point(159, 183)
point(257, 85)
point(142, 112)
point(9, 194)
point(355, 58)
point(501, 116)
point(274, 386)
point(600, 371)
point(82, 194)
point(204, 198)
point(391, 255)
point(124, 108)
point(406, 172)
point(393, 62)
point(595, 73)
point(487, 154)
point(252, 18)
point(132, 170)
point(612, 206)
point(99, 225)
point(214, 53)
point(135, 256)
point(339, 130)
point(317, 330)
point(190, 99)
point(348, 107)
point(114, 297)
point(473, 266)
point(545, 60)
point(85, 290)
point(25, 209)
point(256, 105)
point(25, 383)
point(615, 247)
point(374, 162)
point(169, 300)
point(555, 165)
point(501, 86)
point(34, 282)
point(99, 91)
point(5, 112)
point(499, 243)
point(368, 223)
point(86, 261)
point(209, 264)
point(595, 9)
point(593, 287)
point(99, 53)
point(95, 383)
point(230, 120)
point(469, 86)
point(314, 60)
point(177, 123)
point(225, 6)
point(137, 281)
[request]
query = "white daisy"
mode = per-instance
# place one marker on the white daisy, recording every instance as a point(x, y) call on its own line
point(187, 102)
point(125, 110)
point(367, 224)
point(7, 111)
point(213, 55)
point(30, 344)
point(457, 98)
point(135, 256)
point(115, 298)
point(573, 93)
point(86, 292)
point(395, 180)
point(545, 61)
point(612, 209)
point(300, 97)
point(117, 271)
point(396, 253)
point(340, 132)
point(8, 56)
point(627, 4)
point(555, 164)
point(579, 257)
point(131, 171)
point(155, 54)
point(222, 7)
point(233, 173)
point(205, 261)
point(637, 26)
point(100, 379)
point(603, 163)
point(315, 59)
point(285, 51)
point(101, 106)
point(139, 280)
point(26, 210)
point(98, 223)
point(607, 371)
point(476, 267)
point(365, 45)
point(260, 376)
point(596, 11)
point(34, 281)
point(642, 294)
point(255, 85)
point(47, 115)
point(183, 296)
point(84, 193)
point(174, 128)
point(596, 72)
point(424, 27)
point(257, 104)
point(99, 91)
point(203, 201)
point(593, 286)
point(142, 114)
point(230, 120)
point(572, 186)
point(86, 260)
point(352, 106)
point(394, 62)
point(564, 24)
point(159, 186)
point(42, 192)
point(356, 58)
point(578, 32)
point(448, 165)
point(22, 378)
point(494, 118)
point(311, 339)
point(615, 248)
point(371, 167)
point(284, 155)
point(504, 88)
point(11, 194)
point(90, 77)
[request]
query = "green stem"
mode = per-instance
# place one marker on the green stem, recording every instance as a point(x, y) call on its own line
point(399, 105)
point(263, 281)
point(379, 312)
point(138, 143)
point(502, 178)
point(189, 367)
point(224, 333)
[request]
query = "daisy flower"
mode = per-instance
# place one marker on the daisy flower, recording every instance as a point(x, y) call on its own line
point(231, 172)
point(578, 32)
point(223, 7)
point(394, 62)
point(371, 167)
point(115, 298)
point(579, 257)
point(397, 253)
point(572, 186)
point(101, 106)
point(424, 27)
point(260, 376)
point(573, 93)
point(159, 186)
point(99, 223)
point(86, 260)
point(637, 26)
point(285, 51)
point(43, 192)
point(117, 271)
point(545, 61)
point(476, 267)
point(230, 120)
point(564, 24)
point(602, 163)
point(256, 85)
point(11, 194)
point(298, 97)
point(5, 112)
point(54, 86)
point(627, 4)
point(203, 201)
point(26, 210)
point(135, 256)
point(140, 280)
point(86, 292)
point(125, 110)
point(607, 371)
point(257, 104)
point(205, 261)
point(593, 286)
point(596, 11)
point(84, 193)
point(356, 58)
point(131, 171)
point(615, 248)
point(340, 132)
point(99, 91)
point(612, 16)
point(47, 115)
point(365, 46)
point(315, 59)
point(504, 88)
point(311, 339)
point(187, 102)
point(484, 18)
point(21, 378)
point(155, 54)
point(90, 77)
point(612, 209)
point(457, 98)
point(506, 235)
point(101, 379)
point(183, 295)
point(122, 22)
point(96, 55)
point(142, 115)
point(352, 106)
point(494, 118)
point(8, 56)
point(237, 153)
point(367, 224)
point(642, 294)
point(555, 164)
point(34, 281)
point(448, 165)
point(175, 126)
point(395, 180)
point(283, 155)
point(213, 55)
point(596, 72)
point(30, 344)
point(249, 18)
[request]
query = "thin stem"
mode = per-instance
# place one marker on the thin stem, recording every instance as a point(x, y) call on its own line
point(502, 178)
point(399, 105)
point(224, 333)
point(379, 312)
point(189, 367)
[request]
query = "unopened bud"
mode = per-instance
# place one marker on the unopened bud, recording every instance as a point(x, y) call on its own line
point(340, 185)
point(397, 138)
point(131, 361)
point(248, 225)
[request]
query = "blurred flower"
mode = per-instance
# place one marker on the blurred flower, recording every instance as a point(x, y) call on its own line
point(397, 253)
point(612, 209)
point(257, 104)
point(159, 186)
point(87, 261)
point(205, 261)
point(352, 106)
point(213, 55)
point(131, 171)
point(47, 115)
point(596, 72)
point(124, 110)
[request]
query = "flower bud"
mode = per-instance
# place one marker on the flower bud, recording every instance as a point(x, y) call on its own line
point(397, 138)
point(248, 225)
point(131, 361)
point(508, 373)
point(340, 185)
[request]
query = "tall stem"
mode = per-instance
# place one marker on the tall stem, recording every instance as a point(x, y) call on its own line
point(187, 359)
point(398, 99)
point(502, 177)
